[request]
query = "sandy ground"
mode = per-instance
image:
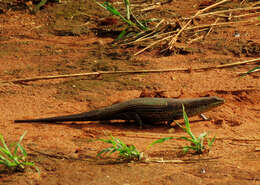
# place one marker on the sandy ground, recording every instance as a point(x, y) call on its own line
point(60, 39)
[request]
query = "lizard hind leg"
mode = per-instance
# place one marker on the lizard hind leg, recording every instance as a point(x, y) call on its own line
point(138, 120)
point(169, 122)
point(134, 116)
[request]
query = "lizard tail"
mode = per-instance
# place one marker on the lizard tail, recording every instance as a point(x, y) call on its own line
point(74, 117)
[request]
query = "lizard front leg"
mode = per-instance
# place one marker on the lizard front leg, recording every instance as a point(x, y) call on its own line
point(138, 120)
point(135, 116)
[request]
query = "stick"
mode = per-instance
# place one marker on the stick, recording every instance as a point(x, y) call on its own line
point(125, 72)
point(225, 11)
point(221, 24)
point(190, 28)
point(174, 39)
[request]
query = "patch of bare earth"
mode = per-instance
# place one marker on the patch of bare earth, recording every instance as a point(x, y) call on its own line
point(60, 39)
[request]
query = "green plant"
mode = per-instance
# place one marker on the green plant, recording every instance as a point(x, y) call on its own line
point(196, 143)
point(130, 19)
point(14, 160)
point(126, 152)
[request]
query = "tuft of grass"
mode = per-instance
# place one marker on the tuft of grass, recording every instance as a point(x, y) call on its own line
point(14, 160)
point(129, 19)
point(196, 143)
point(129, 152)
point(126, 152)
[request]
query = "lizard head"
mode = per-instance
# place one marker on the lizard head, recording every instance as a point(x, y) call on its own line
point(200, 105)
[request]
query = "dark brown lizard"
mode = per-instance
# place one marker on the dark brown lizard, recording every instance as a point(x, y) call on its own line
point(147, 110)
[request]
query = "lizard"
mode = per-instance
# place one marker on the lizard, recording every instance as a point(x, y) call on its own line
point(141, 110)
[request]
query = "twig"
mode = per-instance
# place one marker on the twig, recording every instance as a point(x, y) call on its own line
point(161, 160)
point(221, 24)
point(225, 11)
point(242, 2)
point(174, 39)
point(238, 63)
point(211, 28)
point(125, 72)
point(196, 39)
point(57, 156)
point(158, 41)
point(185, 27)
point(242, 73)
point(245, 15)
point(189, 28)
point(151, 7)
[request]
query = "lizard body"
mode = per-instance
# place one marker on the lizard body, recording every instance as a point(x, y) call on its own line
point(142, 110)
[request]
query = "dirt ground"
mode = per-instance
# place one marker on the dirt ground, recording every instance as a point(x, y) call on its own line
point(75, 37)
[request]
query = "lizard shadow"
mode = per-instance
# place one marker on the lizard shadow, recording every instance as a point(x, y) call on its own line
point(128, 126)
point(121, 126)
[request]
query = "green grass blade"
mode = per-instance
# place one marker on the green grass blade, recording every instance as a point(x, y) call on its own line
point(160, 141)
point(121, 35)
point(187, 139)
point(4, 161)
point(251, 71)
point(187, 124)
point(186, 148)
point(4, 144)
point(113, 151)
point(19, 142)
point(106, 140)
point(104, 151)
point(110, 8)
point(114, 11)
point(39, 5)
point(202, 135)
point(210, 142)
point(180, 125)
point(23, 151)
point(140, 25)
point(6, 152)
